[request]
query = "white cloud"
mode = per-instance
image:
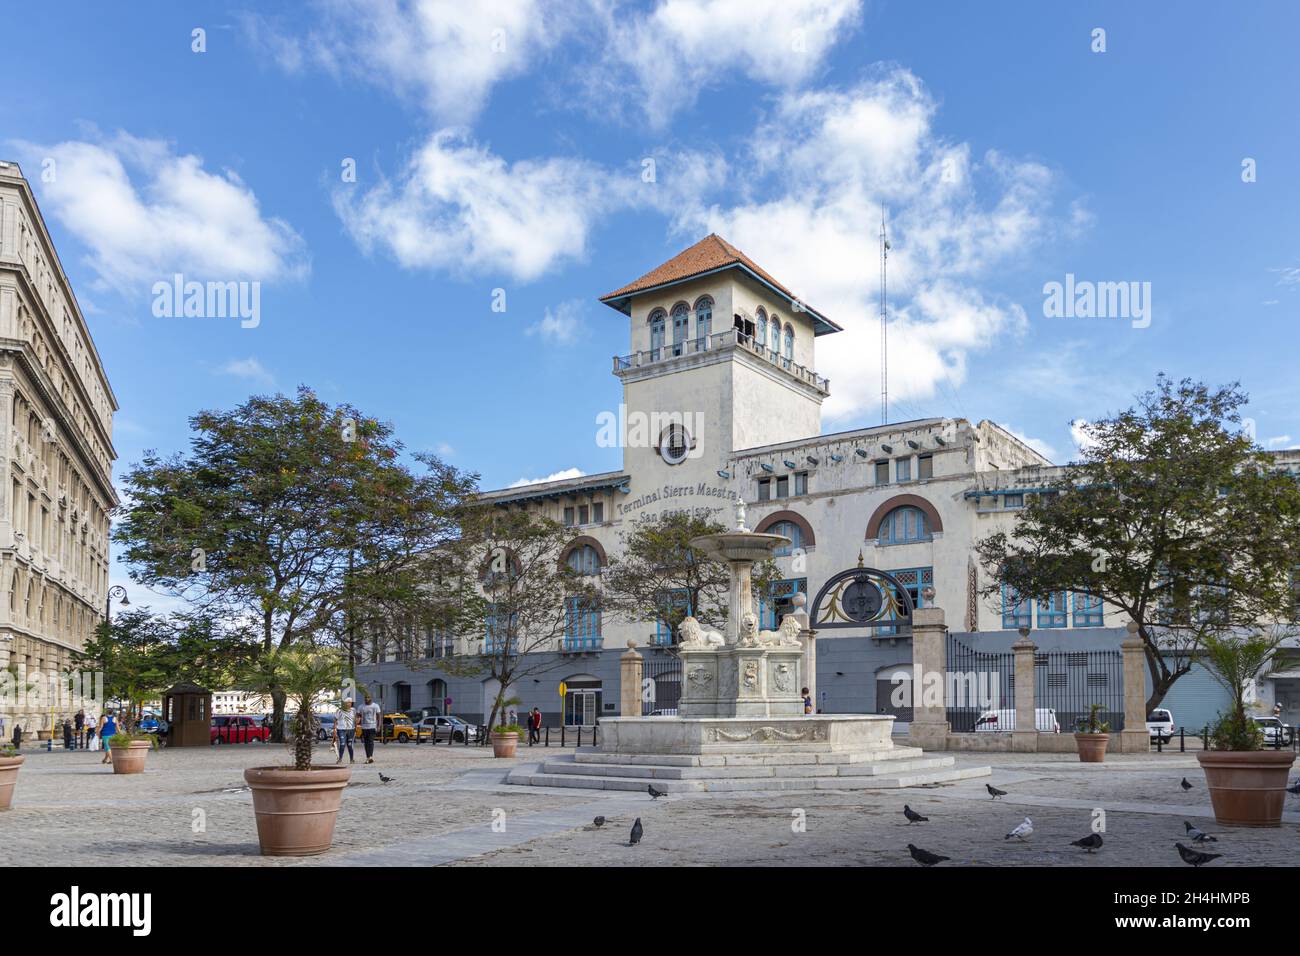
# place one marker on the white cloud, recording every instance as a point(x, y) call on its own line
point(1278, 441)
point(658, 62)
point(445, 55)
point(146, 212)
point(1037, 444)
point(561, 324)
point(1079, 433)
point(459, 207)
point(558, 476)
point(444, 450)
point(249, 369)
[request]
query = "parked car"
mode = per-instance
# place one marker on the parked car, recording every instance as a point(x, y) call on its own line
point(423, 712)
point(324, 725)
point(1001, 721)
point(450, 728)
point(1160, 725)
point(239, 729)
point(664, 712)
point(1274, 729)
point(400, 728)
point(149, 725)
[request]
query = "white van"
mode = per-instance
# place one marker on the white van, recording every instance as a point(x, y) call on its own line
point(1160, 725)
point(1001, 721)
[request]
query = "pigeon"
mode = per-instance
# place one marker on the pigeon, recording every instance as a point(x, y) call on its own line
point(1091, 842)
point(1022, 831)
point(1185, 785)
point(913, 816)
point(655, 794)
point(636, 833)
point(1294, 788)
point(994, 792)
point(599, 822)
point(385, 779)
point(1198, 835)
point(925, 857)
point(1195, 857)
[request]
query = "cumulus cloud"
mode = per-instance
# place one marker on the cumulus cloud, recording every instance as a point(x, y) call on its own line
point(558, 476)
point(145, 212)
point(459, 207)
point(561, 324)
point(1037, 444)
point(249, 369)
point(657, 62)
point(446, 56)
point(1278, 441)
point(1079, 434)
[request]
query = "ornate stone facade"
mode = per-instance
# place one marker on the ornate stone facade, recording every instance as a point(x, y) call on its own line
point(56, 462)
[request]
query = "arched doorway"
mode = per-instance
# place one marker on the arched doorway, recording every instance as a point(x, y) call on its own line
point(402, 696)
point(894, 689)
point(583, 699)
point(438, 697)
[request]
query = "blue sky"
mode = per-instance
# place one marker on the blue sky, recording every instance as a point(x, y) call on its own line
point(501, 145)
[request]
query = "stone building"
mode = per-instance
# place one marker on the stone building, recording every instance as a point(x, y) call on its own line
point(721, 401)
point(56, 463)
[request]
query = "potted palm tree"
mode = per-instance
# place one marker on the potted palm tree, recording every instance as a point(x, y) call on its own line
point(1247, 783)
point(10, 761)
point(296, 806)
point(505, 739)
point(1092, 736)
point(128, 750)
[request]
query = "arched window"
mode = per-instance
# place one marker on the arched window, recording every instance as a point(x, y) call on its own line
point(791, 531)
point(681, 327)
point(584, 560)
point(776, 336)
point(656, 332)
point(760, 333)
point(704, 318)
point(789, 343)
point(904, 524)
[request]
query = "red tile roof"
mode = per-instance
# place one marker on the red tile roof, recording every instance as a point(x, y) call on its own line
point(708, 255)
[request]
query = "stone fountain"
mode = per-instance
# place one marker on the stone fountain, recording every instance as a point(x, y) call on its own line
point(740, 723)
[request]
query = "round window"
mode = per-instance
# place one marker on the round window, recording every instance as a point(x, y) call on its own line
point(675, 444)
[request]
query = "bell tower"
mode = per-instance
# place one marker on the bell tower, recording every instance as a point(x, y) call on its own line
point(722, 358)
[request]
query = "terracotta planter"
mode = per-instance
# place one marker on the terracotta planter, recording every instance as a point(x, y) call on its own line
point(1247, 788)
point(504, 745)
point(130, 759)
point(1092, 747)
point(8, 779)
point(296, 809)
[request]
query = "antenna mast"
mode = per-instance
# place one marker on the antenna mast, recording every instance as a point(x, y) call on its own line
point(884, 324)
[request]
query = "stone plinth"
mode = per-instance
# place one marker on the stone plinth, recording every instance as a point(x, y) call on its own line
point(813, 733)
point(739, 681)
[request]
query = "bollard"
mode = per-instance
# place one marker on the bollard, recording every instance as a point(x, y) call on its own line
point(594, 731)
point(579, 743)
point(561, 735)
point(548, 737)
point(1160, 743)
point(1182, 739)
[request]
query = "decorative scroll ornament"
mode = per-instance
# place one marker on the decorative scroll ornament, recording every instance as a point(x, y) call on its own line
point(771, 733)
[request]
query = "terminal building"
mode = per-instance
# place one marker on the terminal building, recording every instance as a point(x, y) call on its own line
point(722, 362)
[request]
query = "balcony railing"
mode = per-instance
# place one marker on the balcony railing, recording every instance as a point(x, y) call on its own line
point(730, 339)
point(578, 645)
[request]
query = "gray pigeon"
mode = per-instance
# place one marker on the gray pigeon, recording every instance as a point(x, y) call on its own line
point(913, 816)
point(925, 857)
point(385, 779)
point(1294, 788)
point(599, 822)
point(994, 792)
point(1021, 831)
point(1091, 842)
point(1198, 835)
point(1185, 785)
point(636, 833)
point(655, 794)
point(1195, 857)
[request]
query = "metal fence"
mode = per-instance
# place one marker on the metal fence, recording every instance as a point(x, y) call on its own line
point(661, 682)
point(1070, 682)
point(977, 681)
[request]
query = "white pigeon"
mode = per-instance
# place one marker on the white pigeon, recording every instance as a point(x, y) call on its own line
point(1021, 831)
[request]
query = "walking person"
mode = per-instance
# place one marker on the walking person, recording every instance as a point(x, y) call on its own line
point(79, 727)
point(107, 728)
point(344, 728)
point(535, 727)
point(368, 720)
point(68, 743)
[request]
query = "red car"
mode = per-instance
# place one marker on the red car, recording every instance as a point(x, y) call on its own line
point(239, 730)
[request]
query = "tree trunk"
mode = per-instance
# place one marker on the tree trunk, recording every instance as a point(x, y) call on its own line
point(278, 698)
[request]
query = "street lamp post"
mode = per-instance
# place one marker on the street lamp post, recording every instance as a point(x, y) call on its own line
point(116, 591)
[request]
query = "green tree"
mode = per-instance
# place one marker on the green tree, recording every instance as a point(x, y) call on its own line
point(292, 514)
point(1173, 518)
point(521, 604)
point(658, 576)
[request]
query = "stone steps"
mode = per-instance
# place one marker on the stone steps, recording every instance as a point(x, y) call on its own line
point(887, 775)
point(592, 757)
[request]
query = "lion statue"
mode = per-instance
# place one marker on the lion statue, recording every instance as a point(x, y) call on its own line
point(692, 634)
